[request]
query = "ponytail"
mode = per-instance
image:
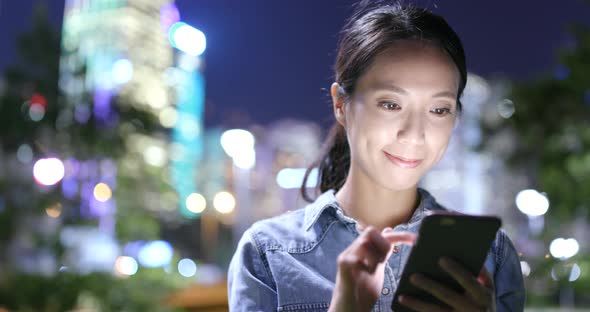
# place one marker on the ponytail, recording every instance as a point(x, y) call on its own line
point(333, 163)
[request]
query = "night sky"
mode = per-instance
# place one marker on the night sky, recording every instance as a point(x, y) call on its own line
point(270, 59)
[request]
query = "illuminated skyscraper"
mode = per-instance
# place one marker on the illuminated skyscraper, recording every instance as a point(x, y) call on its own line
point(114, 47)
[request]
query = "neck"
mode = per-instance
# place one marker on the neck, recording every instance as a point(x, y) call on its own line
point(373, 205)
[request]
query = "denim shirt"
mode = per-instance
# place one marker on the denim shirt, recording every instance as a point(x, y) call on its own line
point(288, 263)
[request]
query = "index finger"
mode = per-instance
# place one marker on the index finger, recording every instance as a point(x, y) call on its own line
point(407, 238)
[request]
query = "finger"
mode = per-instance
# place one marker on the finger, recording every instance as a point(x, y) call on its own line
point(443, 293)
point(350, 262)
point(419, 305)
point(361, 254)
point(406, 238)
point(370, 253)
point(479, 292)
point(380, 243)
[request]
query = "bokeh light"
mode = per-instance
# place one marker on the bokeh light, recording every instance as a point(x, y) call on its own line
point(506, 108)
point(532, 203)
point(575, 273)
point(187, 39)
point(126, 265)
point(38, 99)
point(246, 159)
point(224, 202)
point(169, 15)
point(235, 141)
point(156, 97)
point(102, 192)
point(36, 112)
point(155, 254)
point(155, 156)
point(122, 71)
point(189, 127)
point(187, 267)
point(562, 248)
point(168, 117)
point(53, 211)
point(289, 178)
point(82, 113)
point(196, 203)
point(239, 145)
point(48, 171)
point(24, 154)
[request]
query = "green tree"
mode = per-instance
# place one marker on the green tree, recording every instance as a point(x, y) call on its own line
point(551, 131)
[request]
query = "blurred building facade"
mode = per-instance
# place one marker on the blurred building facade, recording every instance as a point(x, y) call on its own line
point(115, 46)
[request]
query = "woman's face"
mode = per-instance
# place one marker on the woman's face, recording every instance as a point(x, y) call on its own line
point(402, 113)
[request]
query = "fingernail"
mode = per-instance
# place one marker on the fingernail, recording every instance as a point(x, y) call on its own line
point(416, 278)
point(402, 298)
point(387, 229)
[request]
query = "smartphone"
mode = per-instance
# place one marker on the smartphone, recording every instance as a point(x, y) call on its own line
point(463, 238)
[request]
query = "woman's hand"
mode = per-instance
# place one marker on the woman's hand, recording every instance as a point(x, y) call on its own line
point(361, 269)
point(478, 295)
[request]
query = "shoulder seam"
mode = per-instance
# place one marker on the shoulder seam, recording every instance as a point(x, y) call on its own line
point(262, 256)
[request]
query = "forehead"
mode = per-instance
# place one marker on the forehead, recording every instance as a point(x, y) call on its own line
point(411, 64)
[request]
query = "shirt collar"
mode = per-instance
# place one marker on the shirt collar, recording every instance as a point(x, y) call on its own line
point(328, 200)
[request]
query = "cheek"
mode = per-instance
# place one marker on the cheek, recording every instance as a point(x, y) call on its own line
point(370, 133)
point(438, 140)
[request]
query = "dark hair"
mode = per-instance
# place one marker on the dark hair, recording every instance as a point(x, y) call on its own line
point(367, 33)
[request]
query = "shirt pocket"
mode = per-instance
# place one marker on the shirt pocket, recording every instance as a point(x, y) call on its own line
point(304, 282)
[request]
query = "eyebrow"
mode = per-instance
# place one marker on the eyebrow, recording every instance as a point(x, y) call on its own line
point(396, 89)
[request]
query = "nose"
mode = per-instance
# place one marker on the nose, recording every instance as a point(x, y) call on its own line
point(411, 130)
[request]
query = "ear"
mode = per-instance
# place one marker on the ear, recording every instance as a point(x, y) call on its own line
point(338, 103)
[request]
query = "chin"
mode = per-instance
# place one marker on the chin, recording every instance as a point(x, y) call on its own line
point(399, 183)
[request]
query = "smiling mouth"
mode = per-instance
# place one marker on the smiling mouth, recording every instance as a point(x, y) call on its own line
point(403, 162)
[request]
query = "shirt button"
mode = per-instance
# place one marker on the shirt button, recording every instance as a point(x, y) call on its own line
point(395, 248)
point(385, 291)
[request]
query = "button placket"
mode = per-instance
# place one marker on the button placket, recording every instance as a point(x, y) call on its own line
point(388, 282)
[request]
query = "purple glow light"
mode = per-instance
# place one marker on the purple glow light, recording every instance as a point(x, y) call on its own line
point(72, 167)
point(98, 208)
point(132, 248)
point(102, 104)
point(69, 187)
point(87, 191)
point(81, 113)
point(108, 168)
point(169, 15)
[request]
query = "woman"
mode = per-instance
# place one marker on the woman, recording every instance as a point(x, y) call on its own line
point(400, 72)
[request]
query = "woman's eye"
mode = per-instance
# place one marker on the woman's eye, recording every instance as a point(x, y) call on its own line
point(389, 105)
point(441, 111)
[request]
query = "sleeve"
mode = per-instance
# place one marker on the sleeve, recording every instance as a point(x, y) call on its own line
point(510, 291)
point(250, 286)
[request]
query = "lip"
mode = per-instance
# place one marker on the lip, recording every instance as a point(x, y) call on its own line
point(403, 162)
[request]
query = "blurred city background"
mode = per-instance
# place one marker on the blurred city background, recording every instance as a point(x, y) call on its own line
point(140, 138)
